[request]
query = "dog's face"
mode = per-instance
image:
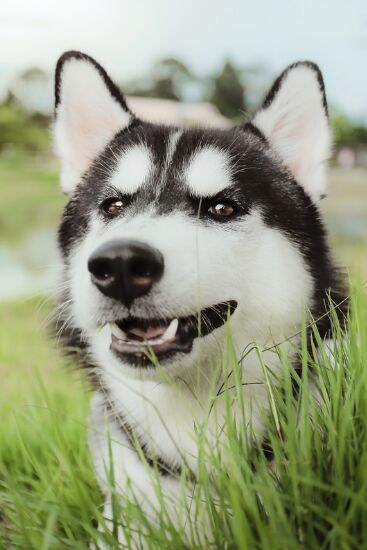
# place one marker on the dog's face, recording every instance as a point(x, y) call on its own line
point(170, 234)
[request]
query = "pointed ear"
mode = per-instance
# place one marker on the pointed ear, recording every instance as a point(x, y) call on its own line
point(89, 111)
point(294, 120)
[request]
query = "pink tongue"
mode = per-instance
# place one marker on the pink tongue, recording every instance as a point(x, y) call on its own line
point(149, 334)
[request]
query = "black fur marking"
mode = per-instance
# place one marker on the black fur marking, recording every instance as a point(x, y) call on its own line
point(279, 81)
point(74, 225)
point(111, 86)
point(267, 450)
point(249, 126)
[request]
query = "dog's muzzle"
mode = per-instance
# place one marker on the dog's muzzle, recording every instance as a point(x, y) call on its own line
point(125, 270)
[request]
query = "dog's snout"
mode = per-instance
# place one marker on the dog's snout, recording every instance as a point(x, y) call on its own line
point(125, 270)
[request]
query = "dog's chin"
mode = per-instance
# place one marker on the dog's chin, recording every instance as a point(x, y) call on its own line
point(148, 342)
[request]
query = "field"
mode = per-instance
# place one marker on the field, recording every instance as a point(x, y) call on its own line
point(48, 494)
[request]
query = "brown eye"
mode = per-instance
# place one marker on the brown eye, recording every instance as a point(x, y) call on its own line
point(221, 210)
point(112, 207)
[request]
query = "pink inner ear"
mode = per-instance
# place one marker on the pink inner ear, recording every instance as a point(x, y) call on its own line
point(87, 118)
point(292, 138)
point(90, 132)
point(296, 125)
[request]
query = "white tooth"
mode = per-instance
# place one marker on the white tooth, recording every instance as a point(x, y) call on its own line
point(170, 331)
point(117, 332)
point(135, 344)
point(155, 342)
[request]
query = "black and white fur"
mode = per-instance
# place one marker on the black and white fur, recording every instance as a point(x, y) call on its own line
point(271, 258)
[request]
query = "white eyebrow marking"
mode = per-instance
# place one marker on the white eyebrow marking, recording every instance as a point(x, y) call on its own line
point(208, 172)
point(132, 169)
point(171, 147)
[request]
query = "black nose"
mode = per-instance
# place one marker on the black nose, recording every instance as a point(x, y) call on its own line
point(125, 270)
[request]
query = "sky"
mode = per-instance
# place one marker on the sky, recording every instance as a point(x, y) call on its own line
point(127, 36)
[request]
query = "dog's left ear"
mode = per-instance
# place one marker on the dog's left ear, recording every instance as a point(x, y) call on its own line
point(89, 111)
point(294, 120)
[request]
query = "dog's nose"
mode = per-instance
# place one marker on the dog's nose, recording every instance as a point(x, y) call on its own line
point(125, 270)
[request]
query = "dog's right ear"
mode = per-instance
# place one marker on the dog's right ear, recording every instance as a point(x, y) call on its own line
point(89, 111)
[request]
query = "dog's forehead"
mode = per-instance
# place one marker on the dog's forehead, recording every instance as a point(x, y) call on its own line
point(202, 164)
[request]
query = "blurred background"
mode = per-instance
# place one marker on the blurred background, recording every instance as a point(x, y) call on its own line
point(188, 62)
point(194, 62)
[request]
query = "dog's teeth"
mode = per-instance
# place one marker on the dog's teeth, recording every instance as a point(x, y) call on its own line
point(169, 334)
point(171, 330)
point(117, 332)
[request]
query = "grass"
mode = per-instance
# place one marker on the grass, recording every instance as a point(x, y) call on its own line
point(317, 498)
point(43, 437)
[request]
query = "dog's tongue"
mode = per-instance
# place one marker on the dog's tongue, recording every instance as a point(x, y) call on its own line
point(149, 334)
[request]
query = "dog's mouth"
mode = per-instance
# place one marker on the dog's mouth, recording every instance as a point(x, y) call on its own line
point(140, 341)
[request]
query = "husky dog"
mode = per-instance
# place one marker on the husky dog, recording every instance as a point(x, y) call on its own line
point(171, 238)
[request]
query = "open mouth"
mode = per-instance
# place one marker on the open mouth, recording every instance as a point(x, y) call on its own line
point(139, 340)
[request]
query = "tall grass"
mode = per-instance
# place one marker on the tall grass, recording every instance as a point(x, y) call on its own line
point(312, 494)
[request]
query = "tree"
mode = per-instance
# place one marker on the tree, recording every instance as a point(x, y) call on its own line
point(228, 91)
point(32, 89)
point(21, 130)
point(346, 132)
point(170, 78)
point(167, 80)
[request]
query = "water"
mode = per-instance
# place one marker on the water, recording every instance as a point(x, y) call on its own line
point(29, 268)
point(353, 227)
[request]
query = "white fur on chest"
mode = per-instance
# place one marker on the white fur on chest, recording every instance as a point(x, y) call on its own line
point(166, 416)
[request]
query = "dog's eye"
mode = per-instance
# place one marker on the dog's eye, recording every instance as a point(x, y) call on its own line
point(112, 207)
point(221, 210)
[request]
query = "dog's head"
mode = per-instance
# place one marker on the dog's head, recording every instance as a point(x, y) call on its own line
point(170, 233)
